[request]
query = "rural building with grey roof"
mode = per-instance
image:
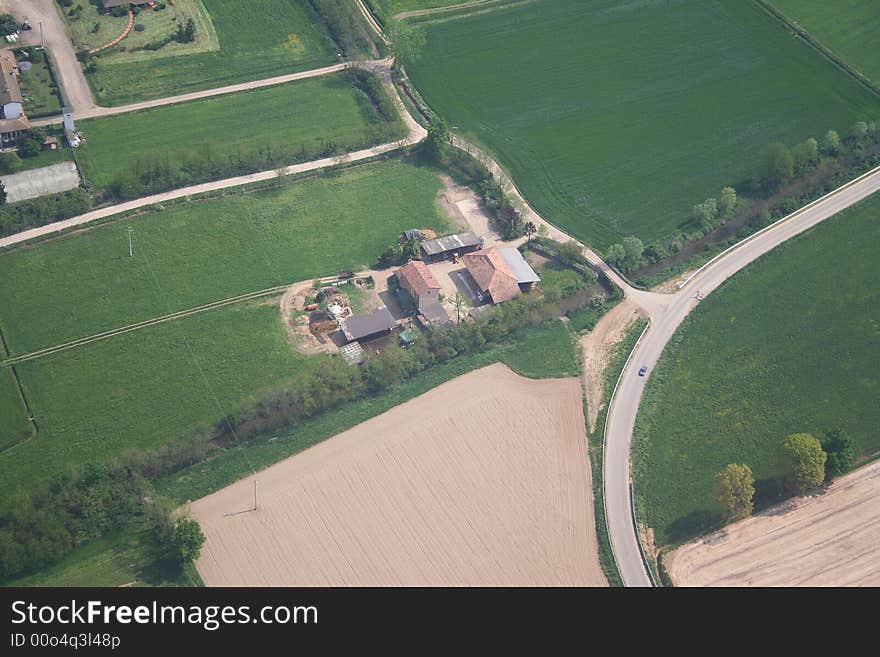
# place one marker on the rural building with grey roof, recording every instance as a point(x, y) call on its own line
point(367, 326)
point(441, 248)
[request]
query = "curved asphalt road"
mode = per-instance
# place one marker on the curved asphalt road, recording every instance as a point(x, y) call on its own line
point(666, 313)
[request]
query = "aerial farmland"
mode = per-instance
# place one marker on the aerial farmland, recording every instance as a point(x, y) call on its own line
point(431, 293)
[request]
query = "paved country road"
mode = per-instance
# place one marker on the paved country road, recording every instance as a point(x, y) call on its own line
point(666, 313)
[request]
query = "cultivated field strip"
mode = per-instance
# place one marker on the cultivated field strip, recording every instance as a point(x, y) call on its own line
point(484, 480)
point(831, 538)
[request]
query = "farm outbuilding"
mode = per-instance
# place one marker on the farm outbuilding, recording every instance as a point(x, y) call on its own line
point(443, 248)
point(368, 326)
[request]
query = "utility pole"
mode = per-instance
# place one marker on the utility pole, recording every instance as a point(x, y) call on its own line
point(255, 494)
point(130, 231)
point(42, 42)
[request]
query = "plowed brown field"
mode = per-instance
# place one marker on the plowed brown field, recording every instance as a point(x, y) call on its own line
point(828, 539)
point(484, 480)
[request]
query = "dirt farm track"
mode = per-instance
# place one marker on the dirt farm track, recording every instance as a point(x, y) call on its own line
point(484, 480)
point(828, 539)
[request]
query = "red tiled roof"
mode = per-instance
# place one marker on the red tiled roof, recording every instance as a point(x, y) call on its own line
point(416, 278)
point(492, 273)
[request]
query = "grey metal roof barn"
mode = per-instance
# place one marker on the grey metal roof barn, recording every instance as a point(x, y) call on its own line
point(518, 265)
point(451, 243)
point(366, 325)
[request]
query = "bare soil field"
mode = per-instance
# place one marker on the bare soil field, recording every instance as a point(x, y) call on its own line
point(484, 480)
point(831, 538)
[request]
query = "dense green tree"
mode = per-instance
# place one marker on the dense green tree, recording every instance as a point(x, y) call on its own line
point(841, 453)
point(777, 165)
point(805, 154)
point(706, 213)
point(530, 229)
point(570, 251)
point(727, 200)
point(859, 130)
point(187, 541)
point(633, 247)
point(802, 462)
point(734, 491)
point(2, 194)
point(831, 142)
point(8, 24)
point(616, 254)
point(438, 137)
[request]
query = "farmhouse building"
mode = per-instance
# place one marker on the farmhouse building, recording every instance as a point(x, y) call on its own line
point(419, 283)
point(420, 289)
point(443, 248)
point(501, 273)
point(12, 118)
point(368, 326)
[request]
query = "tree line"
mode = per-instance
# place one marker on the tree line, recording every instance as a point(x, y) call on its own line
point(779, 166)
point(803, 461)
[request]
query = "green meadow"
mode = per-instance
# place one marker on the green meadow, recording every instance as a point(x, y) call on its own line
point(236, 133)
point(788, 345)
point(204, 251)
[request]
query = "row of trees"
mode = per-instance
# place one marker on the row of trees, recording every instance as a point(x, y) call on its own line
point(77, 507)
point(805, 462)
point(43, 210)
point(779, 165)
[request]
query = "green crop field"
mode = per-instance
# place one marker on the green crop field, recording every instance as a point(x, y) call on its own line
point(255, 130)
point(137, 390)
point(258, 39)
point(204, 251)
point(614, 119)
point(15, 426)
point(850, 28)
point(790, 344)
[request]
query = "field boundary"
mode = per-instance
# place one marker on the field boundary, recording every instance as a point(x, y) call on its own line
point(27, 408)
point(180, 314)
point(824, 50)
point(779, 222)
point(604, 452)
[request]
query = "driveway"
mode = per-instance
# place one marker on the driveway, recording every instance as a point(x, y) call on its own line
point(68, 71)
